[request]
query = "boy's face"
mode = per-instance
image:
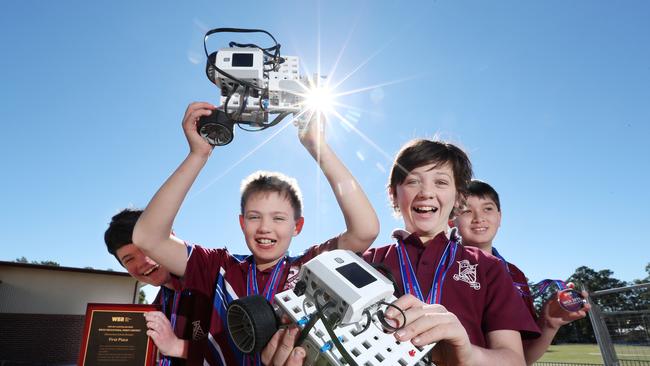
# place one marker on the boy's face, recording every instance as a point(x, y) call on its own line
point(268, 225)
point(141, 267)
point(478, 221)
point(426, 198)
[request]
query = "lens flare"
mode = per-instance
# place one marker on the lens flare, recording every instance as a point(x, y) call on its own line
point(319, 99)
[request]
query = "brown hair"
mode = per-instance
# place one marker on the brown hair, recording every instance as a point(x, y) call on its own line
point(420, 152)
point(267, 182)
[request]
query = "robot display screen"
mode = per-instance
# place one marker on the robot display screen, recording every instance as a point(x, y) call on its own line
point(356, 275)
point(242, 59)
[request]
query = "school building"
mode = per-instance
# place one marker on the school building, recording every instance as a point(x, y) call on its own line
point(42, 309)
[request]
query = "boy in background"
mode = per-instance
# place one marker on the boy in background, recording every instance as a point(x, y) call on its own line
point(180, 330)
point(478, 221)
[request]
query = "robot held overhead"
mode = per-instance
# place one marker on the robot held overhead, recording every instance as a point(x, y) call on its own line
point(255, 83)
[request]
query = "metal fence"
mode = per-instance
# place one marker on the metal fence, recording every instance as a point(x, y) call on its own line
point(623, 335)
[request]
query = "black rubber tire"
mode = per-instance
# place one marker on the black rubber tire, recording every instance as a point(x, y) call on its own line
point(251, 323)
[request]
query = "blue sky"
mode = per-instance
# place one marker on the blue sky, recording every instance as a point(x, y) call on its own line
point(546, 97)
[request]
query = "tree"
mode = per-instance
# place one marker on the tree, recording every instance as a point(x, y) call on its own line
point(45, 263)
point(142, 297)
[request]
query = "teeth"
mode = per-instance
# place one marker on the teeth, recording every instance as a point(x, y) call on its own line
point(147, 273)
point(265, 241)
point(481, 229)
point(425, 209)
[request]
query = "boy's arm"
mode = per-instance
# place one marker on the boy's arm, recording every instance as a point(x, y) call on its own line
point(152, 231)
point(362, 224)
point(551, 319)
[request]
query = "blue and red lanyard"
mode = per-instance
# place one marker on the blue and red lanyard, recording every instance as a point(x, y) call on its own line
point(539, 287)
point(270, 289)
point(410, 280)
point(165, 360)
point(272, 284)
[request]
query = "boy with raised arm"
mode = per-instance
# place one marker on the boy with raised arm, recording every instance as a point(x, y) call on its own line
point(270, 217)
point(478, 221)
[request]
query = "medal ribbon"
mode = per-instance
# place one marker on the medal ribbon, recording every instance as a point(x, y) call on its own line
point(540, 286)
point(165, 360)
point(270, 289)
point(271, 286)
point(410, 280)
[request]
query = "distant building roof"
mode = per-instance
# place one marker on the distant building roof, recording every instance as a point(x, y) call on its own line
point(61, 268)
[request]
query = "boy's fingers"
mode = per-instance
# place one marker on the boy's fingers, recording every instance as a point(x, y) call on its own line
point(404, 302)
point(297, 357)
point(269, 350)
point(285, 346)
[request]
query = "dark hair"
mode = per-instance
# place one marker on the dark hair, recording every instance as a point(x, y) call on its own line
point(483, 190)
point(120, 230)
point(267, 182)
point(420, 152)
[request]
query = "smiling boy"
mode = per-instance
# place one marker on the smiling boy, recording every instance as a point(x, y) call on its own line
point(270, 216)
point(478, 221)
point(456, 296)
point(177, 330)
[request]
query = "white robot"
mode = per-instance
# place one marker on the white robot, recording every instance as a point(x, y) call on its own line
point(338, 302)
point(255, 83)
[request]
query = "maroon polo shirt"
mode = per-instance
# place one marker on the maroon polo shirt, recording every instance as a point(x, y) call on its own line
point(222, 276)
point(520, 278)
point(481, 295)
point(192, 319)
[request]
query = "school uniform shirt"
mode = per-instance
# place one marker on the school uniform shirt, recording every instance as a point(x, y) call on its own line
point(520, 282)
point(476, 287)
point(189, 312)
point(222, 276)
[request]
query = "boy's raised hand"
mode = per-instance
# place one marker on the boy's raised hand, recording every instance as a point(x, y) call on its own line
point(311, 130)
point(196, 110)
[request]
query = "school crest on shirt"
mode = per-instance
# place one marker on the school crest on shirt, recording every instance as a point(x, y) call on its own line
point(292, 277)
point(197, 332)
point(467, 273)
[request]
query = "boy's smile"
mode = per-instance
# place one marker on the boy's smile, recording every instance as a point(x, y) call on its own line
point(268, 225)
point(141, 267)
point(478, 222)
point(426, 198)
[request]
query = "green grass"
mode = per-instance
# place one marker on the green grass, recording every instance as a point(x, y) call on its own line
point(585, 353)
point(590, 353)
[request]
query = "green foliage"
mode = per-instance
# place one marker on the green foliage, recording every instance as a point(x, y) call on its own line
point(45, 263)
point(142, 297)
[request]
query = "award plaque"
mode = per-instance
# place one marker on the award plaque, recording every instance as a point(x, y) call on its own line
point(116, 335)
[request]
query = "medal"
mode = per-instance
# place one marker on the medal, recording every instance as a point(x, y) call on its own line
point(571, 300)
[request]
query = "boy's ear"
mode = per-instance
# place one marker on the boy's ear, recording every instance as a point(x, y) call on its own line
point(241, 222)
point(391, 196)
point(299, 223)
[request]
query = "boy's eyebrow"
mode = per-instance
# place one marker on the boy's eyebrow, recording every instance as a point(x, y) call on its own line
point(272, 212)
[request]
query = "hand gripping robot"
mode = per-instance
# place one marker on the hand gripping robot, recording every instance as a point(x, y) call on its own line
point(255, 83)
point(339, 303)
